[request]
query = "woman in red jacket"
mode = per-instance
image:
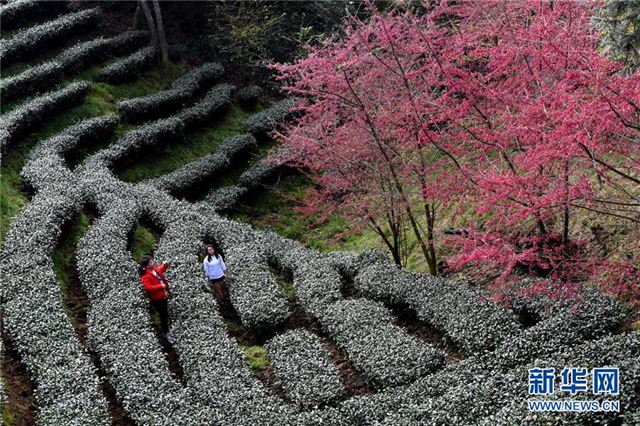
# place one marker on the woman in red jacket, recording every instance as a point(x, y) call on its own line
point(157, 288)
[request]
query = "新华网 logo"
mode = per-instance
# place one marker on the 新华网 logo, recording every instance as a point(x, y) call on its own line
point(604, 381)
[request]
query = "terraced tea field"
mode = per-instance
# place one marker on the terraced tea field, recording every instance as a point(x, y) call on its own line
point(348, 338)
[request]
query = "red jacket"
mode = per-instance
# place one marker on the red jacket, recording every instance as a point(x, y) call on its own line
point(153, 286)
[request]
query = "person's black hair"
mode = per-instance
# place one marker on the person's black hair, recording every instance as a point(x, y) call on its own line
point(215, 249)
point(144, 262)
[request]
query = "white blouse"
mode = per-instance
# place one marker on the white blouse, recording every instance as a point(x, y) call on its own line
point(214, 269)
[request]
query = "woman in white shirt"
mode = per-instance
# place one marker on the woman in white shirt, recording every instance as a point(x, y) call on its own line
point(216, 270)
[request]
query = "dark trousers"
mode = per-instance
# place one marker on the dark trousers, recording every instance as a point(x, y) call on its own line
point(160, 306)
point(218, 288)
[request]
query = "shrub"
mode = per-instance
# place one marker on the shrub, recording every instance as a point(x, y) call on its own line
point(19, 13)
point(218, 377)
point(126, 342)
point(68, 390)
point(127, 42)
point(45, 166)
point(30, 81)
point(257, 173)
point(384, 352)
point(142, 136)
point(271, 117)
point(472, 322)
point(304, 368)
point(33, 39)
point(129, 67)
point(202, 111)
point(253, 292)
point(88, 53)
point(44, 338)
point(17, 122)
point(198, 171)
point(223, 199)
point(165, 129)
point(70, 60)
point(249, 94)
point(180, 92)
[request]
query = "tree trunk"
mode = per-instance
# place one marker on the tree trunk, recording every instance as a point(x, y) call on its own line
point(432, 261)
point(565, 224)
point(164, 48)
point(137, 17)
point(150, 23)
point(393, 247)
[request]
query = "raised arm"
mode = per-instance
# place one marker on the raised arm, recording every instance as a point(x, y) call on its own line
point(163, 267)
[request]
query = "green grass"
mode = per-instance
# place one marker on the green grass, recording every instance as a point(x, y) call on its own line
point(197, 144)
point(276, 210)
point(256, 357)
point(255, 354)
point(143, 241)
point(285, 286)
point(7, 416)
point(156, 79)
point(12, 200)
point(64, 254)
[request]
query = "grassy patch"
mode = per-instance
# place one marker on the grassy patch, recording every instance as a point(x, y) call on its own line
point(64, 255)
point(240, 333)
point(255, 354)
point(156, 79)
point(256, 357)
point(286, 286)
point(11, 200)
point(276, 210)
point(143, 241)
point(7, 416)
point(202, 142)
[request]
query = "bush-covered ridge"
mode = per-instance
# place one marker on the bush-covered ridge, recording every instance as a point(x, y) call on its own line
point(19, 13)
point(26, 42)
point(304, 368)
point(18, 121)
point(73, 59)
point(159, 103)
point(129, 67)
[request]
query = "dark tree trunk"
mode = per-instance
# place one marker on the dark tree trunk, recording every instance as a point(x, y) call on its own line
point(137, 17)
point(164, 48)
point(150, 23)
